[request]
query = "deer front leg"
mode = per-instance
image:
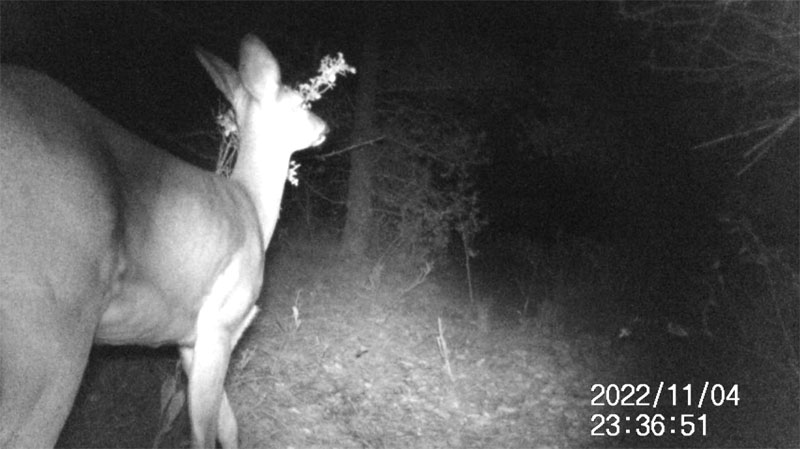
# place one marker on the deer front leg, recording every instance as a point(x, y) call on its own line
point(228, 432)
point(206, 365)
point(228, 435)
point(225, 313)
point(206, 374)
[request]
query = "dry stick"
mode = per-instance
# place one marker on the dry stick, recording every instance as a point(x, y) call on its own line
point(296, 310)
point(525, 291)
point(466, 262)
point(444, 351)
point(172, 399)
point(352, 147)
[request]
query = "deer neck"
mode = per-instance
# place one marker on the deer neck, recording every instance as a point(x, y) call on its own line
point(262, 169)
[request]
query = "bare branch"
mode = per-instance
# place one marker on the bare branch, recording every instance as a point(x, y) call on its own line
point(355, 146)
point(751, 49)
point(762, 147)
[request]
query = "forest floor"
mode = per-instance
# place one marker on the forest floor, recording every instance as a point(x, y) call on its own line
point(363, 365)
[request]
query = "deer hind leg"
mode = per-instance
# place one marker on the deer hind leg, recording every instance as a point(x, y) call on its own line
point(44, 348)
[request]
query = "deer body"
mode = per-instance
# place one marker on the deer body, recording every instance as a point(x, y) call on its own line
point(105, 238)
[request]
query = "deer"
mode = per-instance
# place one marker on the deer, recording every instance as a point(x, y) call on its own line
point(108, 239)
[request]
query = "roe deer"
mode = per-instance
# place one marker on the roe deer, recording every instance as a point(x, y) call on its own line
point(107, 239)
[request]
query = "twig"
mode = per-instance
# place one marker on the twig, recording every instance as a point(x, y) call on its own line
point(764, 145)
point(296, 311)
point(322, 157)
point(420, 278)
point(444, 351)
point(724, 138)
point(467, 254)
point(173, 397)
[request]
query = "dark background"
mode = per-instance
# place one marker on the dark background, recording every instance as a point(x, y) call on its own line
point(538, 61)
point(582, 135)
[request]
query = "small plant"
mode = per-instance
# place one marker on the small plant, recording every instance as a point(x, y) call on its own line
point(550, 318)
point(763, 289)
point(483, 314)
point(423, 191)
point(421, 277)
point(329, 69)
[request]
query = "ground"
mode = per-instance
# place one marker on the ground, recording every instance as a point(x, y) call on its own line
point(362, 366)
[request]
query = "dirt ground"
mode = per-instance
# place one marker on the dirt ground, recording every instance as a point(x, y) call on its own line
point(363, 366)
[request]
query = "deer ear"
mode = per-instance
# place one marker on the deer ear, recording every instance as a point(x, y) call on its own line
point(224, 76)
point(258, 69)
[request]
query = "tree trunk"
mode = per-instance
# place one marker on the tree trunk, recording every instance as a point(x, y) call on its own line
point(355, 237)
